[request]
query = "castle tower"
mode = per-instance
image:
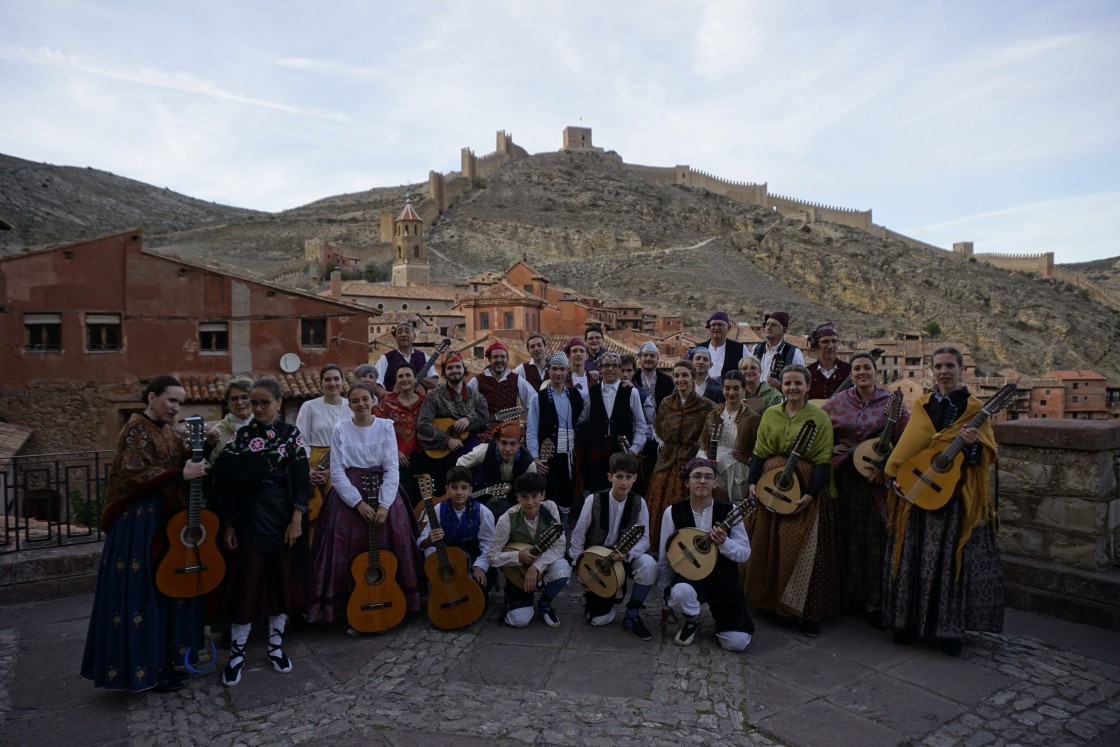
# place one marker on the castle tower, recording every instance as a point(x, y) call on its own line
point(410, 264)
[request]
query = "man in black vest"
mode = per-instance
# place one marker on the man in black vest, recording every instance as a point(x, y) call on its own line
point(615, 412)
point(534, 370)
point(605, 517)
point(501, 460)
point(725, 354)
point(553, 416)
point(774, 352)
point(720, 589)
point(657, 385)
point(388, 364)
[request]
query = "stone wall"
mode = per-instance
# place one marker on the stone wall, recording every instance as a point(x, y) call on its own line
point(1060, 517)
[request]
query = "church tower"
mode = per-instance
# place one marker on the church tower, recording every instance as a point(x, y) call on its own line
point(410, 265)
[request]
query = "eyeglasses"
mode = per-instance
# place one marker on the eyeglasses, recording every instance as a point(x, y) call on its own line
point(703, 478)
point(239, 398)
point(608, 365)
point(261, 402)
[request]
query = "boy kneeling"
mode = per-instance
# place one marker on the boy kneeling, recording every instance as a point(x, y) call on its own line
point(526, 524)
point(464, 523)
point(720, 589)
point(605, 518)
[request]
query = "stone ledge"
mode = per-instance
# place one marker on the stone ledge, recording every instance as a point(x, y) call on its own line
point(1076, 435)
point(1084, 596)
point(52, 573)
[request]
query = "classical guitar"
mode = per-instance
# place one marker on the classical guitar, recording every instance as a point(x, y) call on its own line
point(427, 367)
point(454, 599)
point(781, 488)
point(192, 565)
point(930, 477)
point(872, 454)
point(847, 383)
point(377, 602)
point(516, 573)
point(501, 488)
point(715, 433)
point(692, 553)
point(600, 575)
point(447, 425)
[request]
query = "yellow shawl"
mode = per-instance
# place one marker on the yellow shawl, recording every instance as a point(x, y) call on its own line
point(974, 491)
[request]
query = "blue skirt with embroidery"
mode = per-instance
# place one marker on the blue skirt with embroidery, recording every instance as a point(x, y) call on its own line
point(133, 628)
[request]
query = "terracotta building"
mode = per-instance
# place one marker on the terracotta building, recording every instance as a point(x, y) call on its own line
point(1085, 394)
point(85, 324)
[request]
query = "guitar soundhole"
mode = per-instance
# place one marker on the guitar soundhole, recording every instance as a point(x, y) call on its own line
point(375, 576)
point(784, 482)
point(604, 565)
point(703, 543)
point(939, 463)
point(192, 536)
point(447, 574)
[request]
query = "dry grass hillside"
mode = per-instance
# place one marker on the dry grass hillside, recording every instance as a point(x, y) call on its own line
point(589, 224)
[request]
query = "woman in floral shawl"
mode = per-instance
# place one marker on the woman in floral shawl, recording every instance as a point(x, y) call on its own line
point(135, 632)
point(264, 479)
point(677, 427)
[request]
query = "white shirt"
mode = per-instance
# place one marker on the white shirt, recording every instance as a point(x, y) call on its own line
point(566, 434)
point(580, 382)
point(579, 534)
point(525, 392)
point(374, 445)
point(485, 534)
point(637, 413)
point(542, 370)
point(768, 358)
point(737, 548)
point(497, 558)
point(316, 421)
point(717, 355)
point(382, 365)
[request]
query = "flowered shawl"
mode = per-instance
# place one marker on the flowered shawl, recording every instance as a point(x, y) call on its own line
point(261, 452)
point(404, 420)
point(149, 457)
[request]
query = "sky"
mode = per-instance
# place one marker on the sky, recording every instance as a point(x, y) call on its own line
point(996, 122)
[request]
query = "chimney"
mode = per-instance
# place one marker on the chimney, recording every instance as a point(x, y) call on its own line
point(336, 283)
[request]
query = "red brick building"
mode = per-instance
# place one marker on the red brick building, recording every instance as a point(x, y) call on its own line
point(85, 324)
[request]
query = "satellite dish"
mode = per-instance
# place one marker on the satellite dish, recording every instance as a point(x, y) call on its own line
point(290, 363)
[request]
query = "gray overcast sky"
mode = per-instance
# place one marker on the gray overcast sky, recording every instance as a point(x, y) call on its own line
point(996, 122)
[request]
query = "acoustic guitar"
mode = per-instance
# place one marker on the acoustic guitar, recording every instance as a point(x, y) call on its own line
point(692, 553)
point(454, 599)
point(780, 489)
point(873, 453)
point(515, 574)
point(930, 477)
point(602, 576)
point(377, 602)
point(447, 425)
point(427, 367)
point(193, 565)
point(421, 510)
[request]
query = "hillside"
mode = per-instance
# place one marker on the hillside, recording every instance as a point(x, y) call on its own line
point(49, 204)
point(1105, 272)
point(590, 224)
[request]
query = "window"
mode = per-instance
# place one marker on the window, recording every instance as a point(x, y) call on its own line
point(1075, 398)
point(313, 333)
point(507, 320)
point(484, 320)
point(1042, 403)
point(527, 288)
point(103, 332)
point(42, 332)
point(1075, 385)
point(213, 337)
point(479, 352)
point(913, 361)
point(415, 251)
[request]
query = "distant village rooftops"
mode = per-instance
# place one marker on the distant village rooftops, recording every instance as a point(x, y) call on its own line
point(442, 291)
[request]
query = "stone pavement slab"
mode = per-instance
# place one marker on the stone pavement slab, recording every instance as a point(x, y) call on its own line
point(820, 672)
point(767, 696)
point(902, 707)
point(602, 673)
point(957, 679)
point(821, 724)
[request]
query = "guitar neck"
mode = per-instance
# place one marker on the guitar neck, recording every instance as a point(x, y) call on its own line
point(433, 524)
point(894, 408)
point(957, 444)
point(427, 367)
point(374, 534)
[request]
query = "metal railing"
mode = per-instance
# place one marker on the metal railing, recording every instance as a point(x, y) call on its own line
point(50, 500)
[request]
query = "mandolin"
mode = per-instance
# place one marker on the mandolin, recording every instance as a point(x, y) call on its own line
point(780, 489)
point(454, 599)
point(930, 477)
point(599, 574)
point(501, 488)
point(516, 573)
point(873, 453)
point(447, 425)
point(377, 602)
point(427, 367)
point(691, 552)
point(192, 565)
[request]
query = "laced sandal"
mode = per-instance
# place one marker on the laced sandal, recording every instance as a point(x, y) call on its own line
point(231, 675)
point(280, 662)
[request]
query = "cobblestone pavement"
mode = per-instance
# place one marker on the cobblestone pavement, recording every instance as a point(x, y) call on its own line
point(1042, 682)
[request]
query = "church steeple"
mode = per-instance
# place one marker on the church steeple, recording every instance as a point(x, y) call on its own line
point(410, 263)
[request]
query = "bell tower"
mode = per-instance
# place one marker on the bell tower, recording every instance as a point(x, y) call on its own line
point(410, 263)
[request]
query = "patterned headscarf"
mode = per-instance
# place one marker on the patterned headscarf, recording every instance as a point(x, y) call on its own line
point(558, 359)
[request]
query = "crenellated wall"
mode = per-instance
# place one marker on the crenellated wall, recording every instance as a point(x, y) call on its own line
point(1043, 263)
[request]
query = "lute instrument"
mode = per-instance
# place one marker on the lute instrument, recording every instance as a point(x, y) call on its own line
point(692, 553)
point(447, 425)
point(781, 488)
point(930, 478)
point(599, 574)
point(501, 488)
point(377, 602)
point(193, 565)
point(515, 573)
point(454, 599)
point(872, 454)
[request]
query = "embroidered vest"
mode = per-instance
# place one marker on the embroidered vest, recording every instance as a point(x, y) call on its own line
point(394, 360)
point(500, 395)
point(532, 375)
point(601, 516)
point(519, 528)
point(548, 423)
point(461, 532)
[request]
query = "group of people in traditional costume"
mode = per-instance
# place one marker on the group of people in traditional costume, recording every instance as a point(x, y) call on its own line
point(631, 449)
